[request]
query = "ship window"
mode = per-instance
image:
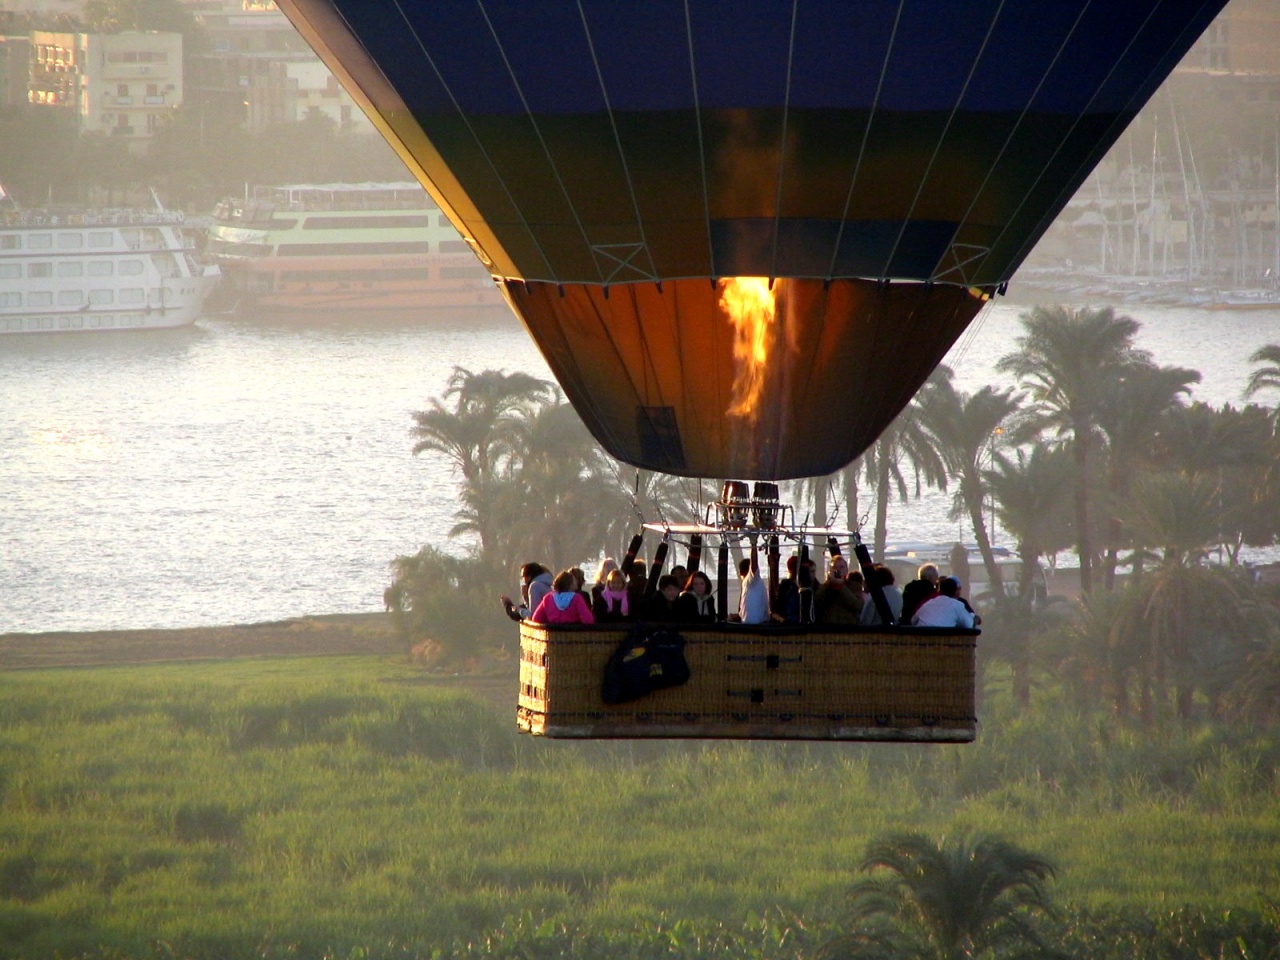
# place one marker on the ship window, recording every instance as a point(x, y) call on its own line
point(10, 241)
point(39, 241)
point(131, 295)
point(71, 269)
point(454, 246)
point(328, 249)
point(100, 268)
point(40, 298)
point(100, 238)
point(10, 299)
point(130, 268)
point(70, 298)
point(464, 273)
point(101, 297)
point(369, 220)
point(39, 269)
point(70, 241)
point(10, 271)
point(443, 221)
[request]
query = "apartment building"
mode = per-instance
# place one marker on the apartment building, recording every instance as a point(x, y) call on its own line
point(122, 84)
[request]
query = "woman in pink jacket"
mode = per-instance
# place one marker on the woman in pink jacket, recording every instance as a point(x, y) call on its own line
point(564, 604)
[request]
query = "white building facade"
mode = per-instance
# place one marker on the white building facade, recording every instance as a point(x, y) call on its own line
point(121, 84)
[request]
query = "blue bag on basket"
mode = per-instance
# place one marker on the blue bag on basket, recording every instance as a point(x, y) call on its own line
point(649, 658)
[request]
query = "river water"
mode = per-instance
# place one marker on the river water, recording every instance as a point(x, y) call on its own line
point(250, 469)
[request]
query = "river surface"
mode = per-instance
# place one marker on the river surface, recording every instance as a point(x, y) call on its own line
point(247, 470)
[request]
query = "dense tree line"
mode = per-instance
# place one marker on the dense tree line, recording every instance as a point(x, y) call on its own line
point(1095, 450)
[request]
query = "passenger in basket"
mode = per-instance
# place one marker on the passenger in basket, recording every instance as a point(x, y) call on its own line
point(753, 605)
point(893, 596)
point(535, 583)
point(661, 607)
point(787, 603)
point(919, 590)
point(944, 610)
point(564, 604)
point(837, 600)
point(637, 584)
point(612, 605)
point(607, 566)
point(696, 604)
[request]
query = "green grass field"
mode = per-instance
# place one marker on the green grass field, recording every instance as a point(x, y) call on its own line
point(342, 807)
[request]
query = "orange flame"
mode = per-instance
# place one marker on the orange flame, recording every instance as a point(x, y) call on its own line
point(750, 306)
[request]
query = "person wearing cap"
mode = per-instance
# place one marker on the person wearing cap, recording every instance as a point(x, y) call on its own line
point(944, 610)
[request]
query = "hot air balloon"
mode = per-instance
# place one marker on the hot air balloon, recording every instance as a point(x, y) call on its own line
point(881, 168)
point(743, 233)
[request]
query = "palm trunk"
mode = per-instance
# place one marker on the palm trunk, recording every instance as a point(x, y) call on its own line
point(882, 507)
point(1084, 544)
point(851, 495)
point(972, 493)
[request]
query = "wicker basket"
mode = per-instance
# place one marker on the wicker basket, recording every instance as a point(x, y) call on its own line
point(827, 683)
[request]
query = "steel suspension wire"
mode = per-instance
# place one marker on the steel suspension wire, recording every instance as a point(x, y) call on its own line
point(1013, 217)
point(946, 128)
point(702, 146)
point(546, 149)
point(493, 167)
point(866, 135)
point(1053, 62)
point(782, 139)
point(617, 139)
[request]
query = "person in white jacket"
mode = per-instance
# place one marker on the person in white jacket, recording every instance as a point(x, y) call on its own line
point(944, 610)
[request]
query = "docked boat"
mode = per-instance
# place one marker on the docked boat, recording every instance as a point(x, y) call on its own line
point(345, 246)
point(74, 270)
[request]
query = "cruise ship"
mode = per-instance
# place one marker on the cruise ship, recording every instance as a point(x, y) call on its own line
point(345, 247)
point(73, 270)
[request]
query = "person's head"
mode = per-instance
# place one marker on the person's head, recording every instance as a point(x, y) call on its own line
point(838, 568)
point(928, 571)
point(949, 586)
point(680, 573)
point(669, 586)
point(565, 582)
point(579, 576)
point(637, 570)
point(531, 571)
point(607, 566)
point(854, 580)
point(808, 575)
point(615, 581)
point(882, 575)
point(744, 566)
point(793, 564)
point(698, 583)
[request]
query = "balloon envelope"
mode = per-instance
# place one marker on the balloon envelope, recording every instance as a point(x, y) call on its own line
point(648, 149)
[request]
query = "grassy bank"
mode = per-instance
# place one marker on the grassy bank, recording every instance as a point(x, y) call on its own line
point(308, 806)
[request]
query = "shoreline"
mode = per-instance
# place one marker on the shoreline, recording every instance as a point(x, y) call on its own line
point(334, 634)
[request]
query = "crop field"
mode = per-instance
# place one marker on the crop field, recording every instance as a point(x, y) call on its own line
point(342, 807)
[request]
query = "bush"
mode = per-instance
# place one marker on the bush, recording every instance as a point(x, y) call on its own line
point(448, 603)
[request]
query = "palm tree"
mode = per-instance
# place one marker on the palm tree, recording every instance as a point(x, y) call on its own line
point(1032, 493)
point(1268, 377)
point(905, 443)
point(484, 405)
point(951, 901)
point(1133, 405)
point(1066, 360)
point(1188, 617)
point(963, 427)
point(474, 434)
